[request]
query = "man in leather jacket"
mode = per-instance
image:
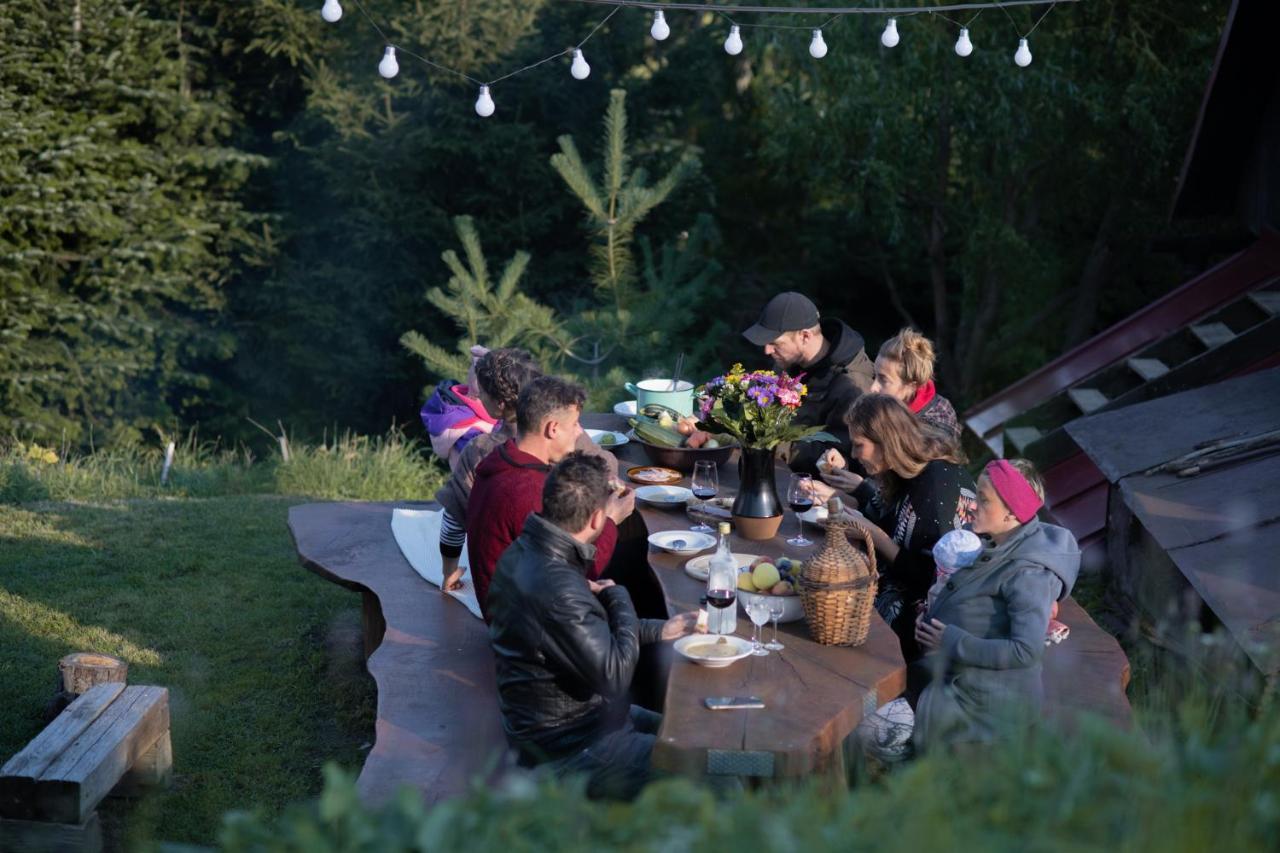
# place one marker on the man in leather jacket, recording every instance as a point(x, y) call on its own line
point(566, 647)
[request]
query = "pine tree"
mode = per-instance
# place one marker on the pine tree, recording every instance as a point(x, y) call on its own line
point(495, 316)
point(119, 221)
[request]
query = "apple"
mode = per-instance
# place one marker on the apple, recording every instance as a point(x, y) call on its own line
point(745, 582)
point(765, 575)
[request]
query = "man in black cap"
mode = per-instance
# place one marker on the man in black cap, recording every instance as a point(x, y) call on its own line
point(832, 358)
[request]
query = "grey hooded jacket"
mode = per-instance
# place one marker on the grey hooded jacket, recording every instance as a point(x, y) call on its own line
point(986, 675)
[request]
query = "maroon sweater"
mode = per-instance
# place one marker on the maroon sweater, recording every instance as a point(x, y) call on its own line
point(507, 489)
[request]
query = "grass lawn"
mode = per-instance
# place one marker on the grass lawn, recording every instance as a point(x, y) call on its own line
point(205, 597)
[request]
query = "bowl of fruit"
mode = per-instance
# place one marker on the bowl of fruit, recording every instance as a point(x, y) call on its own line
point(674, 440)
point(773, 581)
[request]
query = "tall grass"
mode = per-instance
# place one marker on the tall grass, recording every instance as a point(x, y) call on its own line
point(388, 467)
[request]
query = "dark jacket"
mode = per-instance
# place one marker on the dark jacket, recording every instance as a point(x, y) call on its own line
point(940, 498)
point(987, 672)
point(842, 375)
point(564, 657)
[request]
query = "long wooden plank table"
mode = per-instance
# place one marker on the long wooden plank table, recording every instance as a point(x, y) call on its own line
point(814, 695)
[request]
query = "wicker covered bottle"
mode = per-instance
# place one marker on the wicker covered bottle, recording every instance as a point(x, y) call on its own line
point(838, 587)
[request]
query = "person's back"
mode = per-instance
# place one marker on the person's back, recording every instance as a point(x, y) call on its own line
point(566, 647)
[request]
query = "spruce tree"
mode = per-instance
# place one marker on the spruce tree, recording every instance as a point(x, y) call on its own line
point(494, 316)
point(119, 221)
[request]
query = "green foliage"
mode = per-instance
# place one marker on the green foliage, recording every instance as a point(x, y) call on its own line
point(499, 316)
point(356, 467)
point(120, 222)
point(1201, 779)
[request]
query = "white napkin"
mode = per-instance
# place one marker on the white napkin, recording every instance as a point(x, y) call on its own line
point(417, 532)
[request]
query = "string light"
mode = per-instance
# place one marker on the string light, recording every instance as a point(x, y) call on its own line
point(817, 47)
point(889, 38)
point(580, 69)
point(484, 103)
point(1023, 55)
point(659, 30)
point(388, 67)
point(733, 44)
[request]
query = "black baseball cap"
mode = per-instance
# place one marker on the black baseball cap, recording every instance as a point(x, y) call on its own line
point(785, 312)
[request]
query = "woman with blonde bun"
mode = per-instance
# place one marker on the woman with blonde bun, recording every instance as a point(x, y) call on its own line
point(904, 369)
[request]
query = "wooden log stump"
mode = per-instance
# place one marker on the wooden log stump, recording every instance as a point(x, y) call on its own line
point(78, 672)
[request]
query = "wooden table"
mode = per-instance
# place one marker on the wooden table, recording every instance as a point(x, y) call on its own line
point(814, 695)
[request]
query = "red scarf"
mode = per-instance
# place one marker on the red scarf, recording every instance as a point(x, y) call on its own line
point(923, 397)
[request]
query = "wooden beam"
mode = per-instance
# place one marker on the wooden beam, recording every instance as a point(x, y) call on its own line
point(29, 836)
point(18, 776)
point(86, 771)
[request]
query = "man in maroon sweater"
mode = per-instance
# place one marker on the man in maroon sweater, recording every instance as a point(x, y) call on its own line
point(508, 485)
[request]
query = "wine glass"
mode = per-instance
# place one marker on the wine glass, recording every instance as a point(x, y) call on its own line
point(758, 610)
point(776, 606)
point(800, 499)
point(706, 482)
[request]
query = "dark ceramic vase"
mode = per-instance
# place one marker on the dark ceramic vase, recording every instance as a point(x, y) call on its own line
point(757, 512)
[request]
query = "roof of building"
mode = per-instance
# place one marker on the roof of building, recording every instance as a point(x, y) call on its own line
point(1215, 515)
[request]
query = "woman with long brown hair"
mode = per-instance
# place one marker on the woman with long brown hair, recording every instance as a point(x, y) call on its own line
point(923, 492)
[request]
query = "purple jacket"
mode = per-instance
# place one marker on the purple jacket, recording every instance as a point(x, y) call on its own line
point(453, 418)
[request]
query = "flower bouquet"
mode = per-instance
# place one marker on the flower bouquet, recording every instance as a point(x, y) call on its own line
point(758, 409)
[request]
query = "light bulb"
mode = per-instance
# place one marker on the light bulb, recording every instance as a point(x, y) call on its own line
point(580, 69)
point(1023, 56)
point(964, 47)
point(332, 11)
point(889, 37)
point(659, 30)
point(484, 103)
point(388, 67)
point(733, 44)
point(817, 47)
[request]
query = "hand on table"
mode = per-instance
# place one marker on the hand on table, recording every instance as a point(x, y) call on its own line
point(929, 633)
point(679, 625)
point(598, 587)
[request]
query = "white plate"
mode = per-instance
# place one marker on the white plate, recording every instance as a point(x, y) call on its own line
point(664, 496)
point(815, 514)
point(681, 541)
point(689, 646)
point(626, 409)
point(595, 435)
point(697, 567)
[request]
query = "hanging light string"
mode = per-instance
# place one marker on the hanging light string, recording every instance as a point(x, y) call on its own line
point(388, 67)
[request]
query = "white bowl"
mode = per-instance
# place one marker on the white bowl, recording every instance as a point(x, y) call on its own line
point(697, 567)
point(664, 496)
point(627, 409)
point(792, 606)
point(681, 541)
point(689, 647)
point(595, 435)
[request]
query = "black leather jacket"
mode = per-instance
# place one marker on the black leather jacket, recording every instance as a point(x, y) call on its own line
point(564, 657)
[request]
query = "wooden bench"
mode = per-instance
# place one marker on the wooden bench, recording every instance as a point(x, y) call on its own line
point(113, 738)
point(438, 725)
point(1088, 673)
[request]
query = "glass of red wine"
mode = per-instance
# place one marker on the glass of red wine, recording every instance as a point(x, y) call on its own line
point(706, 482)
point(800, 499)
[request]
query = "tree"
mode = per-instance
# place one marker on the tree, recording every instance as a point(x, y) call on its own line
point(120, 222)
point(498, 316)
